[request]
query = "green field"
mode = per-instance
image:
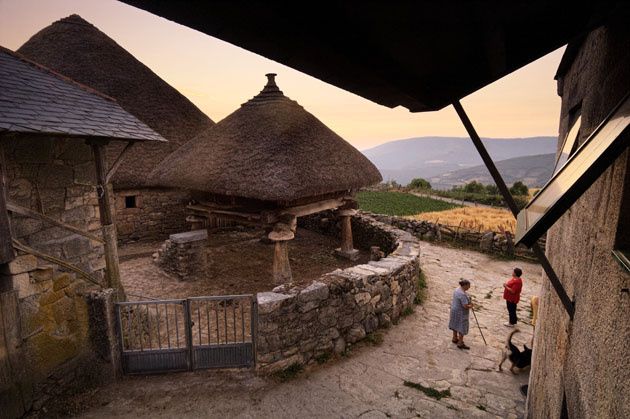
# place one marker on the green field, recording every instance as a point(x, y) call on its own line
point(399, 203)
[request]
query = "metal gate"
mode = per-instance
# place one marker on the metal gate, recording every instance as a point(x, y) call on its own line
point(187, 334)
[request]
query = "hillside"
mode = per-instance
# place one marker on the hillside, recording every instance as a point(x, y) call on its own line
point(534, 171)
point(426, 157)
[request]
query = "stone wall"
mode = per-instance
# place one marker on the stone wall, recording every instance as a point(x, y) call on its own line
point(56, 178)
point(184, 254)
point(298, 326)
point(156, 214)
point(487, 241)
point(44, 311)
point(584, 362)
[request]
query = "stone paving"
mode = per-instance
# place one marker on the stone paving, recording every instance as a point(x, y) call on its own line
point(368, 383)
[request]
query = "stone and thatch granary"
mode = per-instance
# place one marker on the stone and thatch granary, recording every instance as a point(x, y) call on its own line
point(59, 239)
point(268, 163)
point(77, 49)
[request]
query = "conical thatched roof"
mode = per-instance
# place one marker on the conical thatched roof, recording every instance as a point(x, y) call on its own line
point(77, 49)
point(270, 149)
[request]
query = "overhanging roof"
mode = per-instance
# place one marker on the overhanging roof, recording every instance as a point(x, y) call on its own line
point(37, 100)
point(420, 55)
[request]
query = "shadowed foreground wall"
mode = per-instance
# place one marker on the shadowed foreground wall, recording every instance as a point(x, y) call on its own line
point(586, 361)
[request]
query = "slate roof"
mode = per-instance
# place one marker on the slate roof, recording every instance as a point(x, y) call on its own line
point(35, 99)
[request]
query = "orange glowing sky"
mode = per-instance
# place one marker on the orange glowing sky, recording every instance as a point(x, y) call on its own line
point(218, 77)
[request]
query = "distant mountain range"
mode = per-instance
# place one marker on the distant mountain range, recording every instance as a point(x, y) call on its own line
point(534, 171)
point(430, 157)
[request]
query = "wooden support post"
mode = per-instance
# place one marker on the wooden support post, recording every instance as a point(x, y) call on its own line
point(281, 234)
point(347, 249)
point(6, 247)
point(108, 228)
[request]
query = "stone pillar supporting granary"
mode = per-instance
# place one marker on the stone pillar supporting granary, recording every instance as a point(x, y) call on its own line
point(345, 213)
point(267, 164)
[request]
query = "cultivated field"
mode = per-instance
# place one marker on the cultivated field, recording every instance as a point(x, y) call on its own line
point(472, 218)
point(399, 203)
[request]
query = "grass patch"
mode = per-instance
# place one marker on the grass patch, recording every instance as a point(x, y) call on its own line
point(429, 391)
point(322, 358)
point(289, 372)
point(374, 338)
point(408, 311)
point(450, 406)
point(481, 407)
point(488, 295)
point(422, 287)
point(399, 203)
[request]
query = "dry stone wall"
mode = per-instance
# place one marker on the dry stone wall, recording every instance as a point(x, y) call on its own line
point(45, 344)
point(155, 213)
point(298, 326)
point(184, 254)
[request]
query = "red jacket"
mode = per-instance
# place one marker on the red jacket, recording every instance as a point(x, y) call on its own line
point(517, 285)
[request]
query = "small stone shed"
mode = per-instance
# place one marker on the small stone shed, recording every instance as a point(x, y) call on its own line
point(77, 49)
point(268, 163)
point(58, 240)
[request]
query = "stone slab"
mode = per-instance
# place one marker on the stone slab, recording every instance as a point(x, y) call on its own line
point(189, 236)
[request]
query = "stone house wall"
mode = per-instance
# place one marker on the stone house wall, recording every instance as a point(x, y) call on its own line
point(155, 214)
point(45, 316)
point(583, 364)
point(298, 326)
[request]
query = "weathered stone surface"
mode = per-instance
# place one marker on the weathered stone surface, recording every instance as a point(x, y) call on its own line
point(189, 236)
point(20, 264)
point(316, 291)
point(270, 301)
point(356, 333)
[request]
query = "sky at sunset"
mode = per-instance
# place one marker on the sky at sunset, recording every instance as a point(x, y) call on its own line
point(218, 77)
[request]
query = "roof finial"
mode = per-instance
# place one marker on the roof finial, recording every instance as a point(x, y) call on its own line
point(271, 79)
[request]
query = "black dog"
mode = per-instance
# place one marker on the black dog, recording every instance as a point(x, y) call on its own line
point(518, 359)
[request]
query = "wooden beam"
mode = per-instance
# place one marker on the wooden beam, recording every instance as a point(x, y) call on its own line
point(26, 249)
point(27, 212)
point(118, 162)
point(108, 228)
point(6, 248)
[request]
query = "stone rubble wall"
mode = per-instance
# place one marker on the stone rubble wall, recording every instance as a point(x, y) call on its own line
point(297, 326)
point(184, 254)
point(487, 241)
point(158, 213)
point(42, 308)
point(56, 178)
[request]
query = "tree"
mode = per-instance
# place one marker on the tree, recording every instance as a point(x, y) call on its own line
point(419, 183)
point(474, 187)
point(519, 189)
point(492, 189)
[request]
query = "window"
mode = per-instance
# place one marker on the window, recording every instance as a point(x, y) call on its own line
point(130, 201)
point(582, 168)
point(570, 143)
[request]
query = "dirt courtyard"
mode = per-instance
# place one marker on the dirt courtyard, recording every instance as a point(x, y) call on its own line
point(369, 381)
point(239, 264)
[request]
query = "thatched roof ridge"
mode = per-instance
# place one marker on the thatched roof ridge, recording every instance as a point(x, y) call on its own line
point(269, 149)
point(77, 49)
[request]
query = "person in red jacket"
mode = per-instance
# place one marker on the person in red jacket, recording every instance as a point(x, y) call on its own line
point(512, 294)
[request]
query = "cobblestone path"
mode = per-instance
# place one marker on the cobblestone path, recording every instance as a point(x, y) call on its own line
point(369, 382)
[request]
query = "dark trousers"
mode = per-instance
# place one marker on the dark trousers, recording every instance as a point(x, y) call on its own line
point(512, 311)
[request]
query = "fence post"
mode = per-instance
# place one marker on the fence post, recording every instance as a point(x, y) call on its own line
point(254, 325)
point(188, 330)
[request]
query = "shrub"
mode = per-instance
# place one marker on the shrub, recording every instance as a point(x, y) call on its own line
point(419, 183)
point(519, 189)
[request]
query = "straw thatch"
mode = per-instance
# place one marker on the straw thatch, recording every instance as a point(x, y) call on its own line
point(270, 149)
point(77, 49)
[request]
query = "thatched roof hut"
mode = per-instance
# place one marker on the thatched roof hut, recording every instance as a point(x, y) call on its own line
point(270, 162)
point(270, 149)
point(77, 49)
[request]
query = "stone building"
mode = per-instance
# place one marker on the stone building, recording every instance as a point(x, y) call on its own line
point(61, 239)
point(581, 367)
point(77, 49)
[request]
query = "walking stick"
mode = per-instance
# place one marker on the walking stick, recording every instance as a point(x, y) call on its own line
point(479, 327)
